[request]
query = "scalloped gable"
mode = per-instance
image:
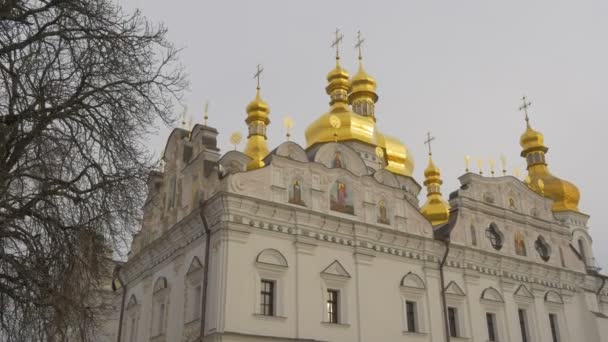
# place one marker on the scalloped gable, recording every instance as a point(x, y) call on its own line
point(234, 161)
point(336, 269)
point(288, 149)
point(522, 291)
point(454, 289)
point(325, 155)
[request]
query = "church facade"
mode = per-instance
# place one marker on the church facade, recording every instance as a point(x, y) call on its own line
point(329, 242)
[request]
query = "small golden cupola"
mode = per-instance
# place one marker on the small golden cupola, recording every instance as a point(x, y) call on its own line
point(435, 209)
point(564, 194)
point(257, 121)
point(363, 96)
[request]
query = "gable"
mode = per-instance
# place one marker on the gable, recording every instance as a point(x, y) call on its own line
point(195, 265)
point(336, 269)
point(454, 289)
point(271, 256)
point(492, 294)
point(553, 297)
point(412, 280)
point(522, 291)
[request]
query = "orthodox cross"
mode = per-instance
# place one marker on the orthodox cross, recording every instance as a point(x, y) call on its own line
point(336, 42)
point(525, 106)
point(258, 74)
point(360, 41)
point(428, 141)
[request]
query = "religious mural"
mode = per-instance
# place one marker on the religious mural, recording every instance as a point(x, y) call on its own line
point(338, 162)
point(383, 213)
point(520, 244)
point(341, 198)
point(295, 193)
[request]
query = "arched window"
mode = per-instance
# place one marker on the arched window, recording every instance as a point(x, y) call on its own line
point(520, 244)
point(473, 236)
point(160, 303)
point(581, 250)
point(494, 236)
point(542, 248)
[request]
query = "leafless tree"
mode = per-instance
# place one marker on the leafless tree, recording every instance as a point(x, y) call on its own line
point(82, 85)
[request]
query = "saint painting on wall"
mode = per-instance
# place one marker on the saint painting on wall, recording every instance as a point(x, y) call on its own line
point(337, 162)
point(295, 193)
point(341, 198)
point(383, 213)
point(520, 244)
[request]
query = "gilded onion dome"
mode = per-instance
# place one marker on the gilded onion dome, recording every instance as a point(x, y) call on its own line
point(436, 209)
point(358, 124)
point(257, 121)
point(564, 194)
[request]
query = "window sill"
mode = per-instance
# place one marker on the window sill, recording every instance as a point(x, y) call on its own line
point(338, 325)
point(270, 318)
point(414, 333)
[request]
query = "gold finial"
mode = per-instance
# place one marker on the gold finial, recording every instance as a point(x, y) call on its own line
point(184, 117)
point(526, 104)
point(480, 166)
point(258, 74)
point(380, 156)
point(359, 44)
point(335, 122)
point(288, 123)
point(428, 141)
point(336, 43)
point(516, 172)
point(206, 115)
point(492, 167)
point(503, 161)
point(467, 160)
point(235, 139)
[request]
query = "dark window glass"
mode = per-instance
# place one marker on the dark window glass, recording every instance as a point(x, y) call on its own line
point(490, 320)
point(332, 305)
point(267, 294)
point(410, 309)
point(494, 236)
point(523, 325)
point(542, 249)
point(554, 327)
point(453, 321)
point(473, 236)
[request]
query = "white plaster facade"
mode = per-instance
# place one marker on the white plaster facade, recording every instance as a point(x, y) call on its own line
point(307, 248)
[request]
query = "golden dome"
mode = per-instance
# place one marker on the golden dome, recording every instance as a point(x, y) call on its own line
point(435, 209)
point(362, 85)
point(257, 120)
point(564, 194)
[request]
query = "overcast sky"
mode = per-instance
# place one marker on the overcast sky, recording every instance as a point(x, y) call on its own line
point(455, 68)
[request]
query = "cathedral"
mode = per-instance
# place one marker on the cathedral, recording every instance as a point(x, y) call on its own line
point(330, 241)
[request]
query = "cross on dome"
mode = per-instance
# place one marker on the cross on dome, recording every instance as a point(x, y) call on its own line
point(526, 104)
point(258, 74)
point(336, 42)
point(428, 141)
point(360, 41)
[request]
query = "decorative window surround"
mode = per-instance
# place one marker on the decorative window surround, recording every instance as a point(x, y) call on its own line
point(271, 265)
point(335, 277)
point(413, 289)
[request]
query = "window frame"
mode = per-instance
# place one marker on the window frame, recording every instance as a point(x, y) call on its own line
point(411, 316)
point(492, 327)
point(554, 327)
point(267, 308)
point(333, 306)
point(453, 327)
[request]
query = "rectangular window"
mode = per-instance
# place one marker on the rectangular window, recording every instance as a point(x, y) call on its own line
point(333, 297)
point(267, 300)
point(491, 322)
point(410, 313)
point(196, 310)
point(161, 318)
point(453, 321)
point(133, 326)
point(523, 325)
point(473, 236)
point(554, 327)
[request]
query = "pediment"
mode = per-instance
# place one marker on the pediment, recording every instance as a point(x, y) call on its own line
point(492, 294)
point(454, 289)
point(234, 161)
point(160, 284)
point(412, 280)
point(522, 291)
point(132, 302)
point(336, 269)
point(553, 297)
point(195, 265)
point(271, 256)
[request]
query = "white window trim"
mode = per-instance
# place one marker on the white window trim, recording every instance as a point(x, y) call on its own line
point(276, 274)
point(334, 282)
point(160, 297)
point(458, 302)
point(562, 327)
point(132, 314)
point(418, 296)
point(527, 304)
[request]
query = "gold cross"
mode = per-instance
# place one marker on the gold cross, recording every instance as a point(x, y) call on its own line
point(258, 74)
point(336, 42)
point(206, 117)
point(360, 41)
point(428, 142)
point(525, 106)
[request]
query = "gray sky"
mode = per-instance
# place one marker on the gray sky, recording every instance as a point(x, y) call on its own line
point(456, 68)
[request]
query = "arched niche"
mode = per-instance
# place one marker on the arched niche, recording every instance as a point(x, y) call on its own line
point(387, 178)
point(160, 284)
point(492, 294)
point(412, 280)
point(234, 161)
point(272, 257)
